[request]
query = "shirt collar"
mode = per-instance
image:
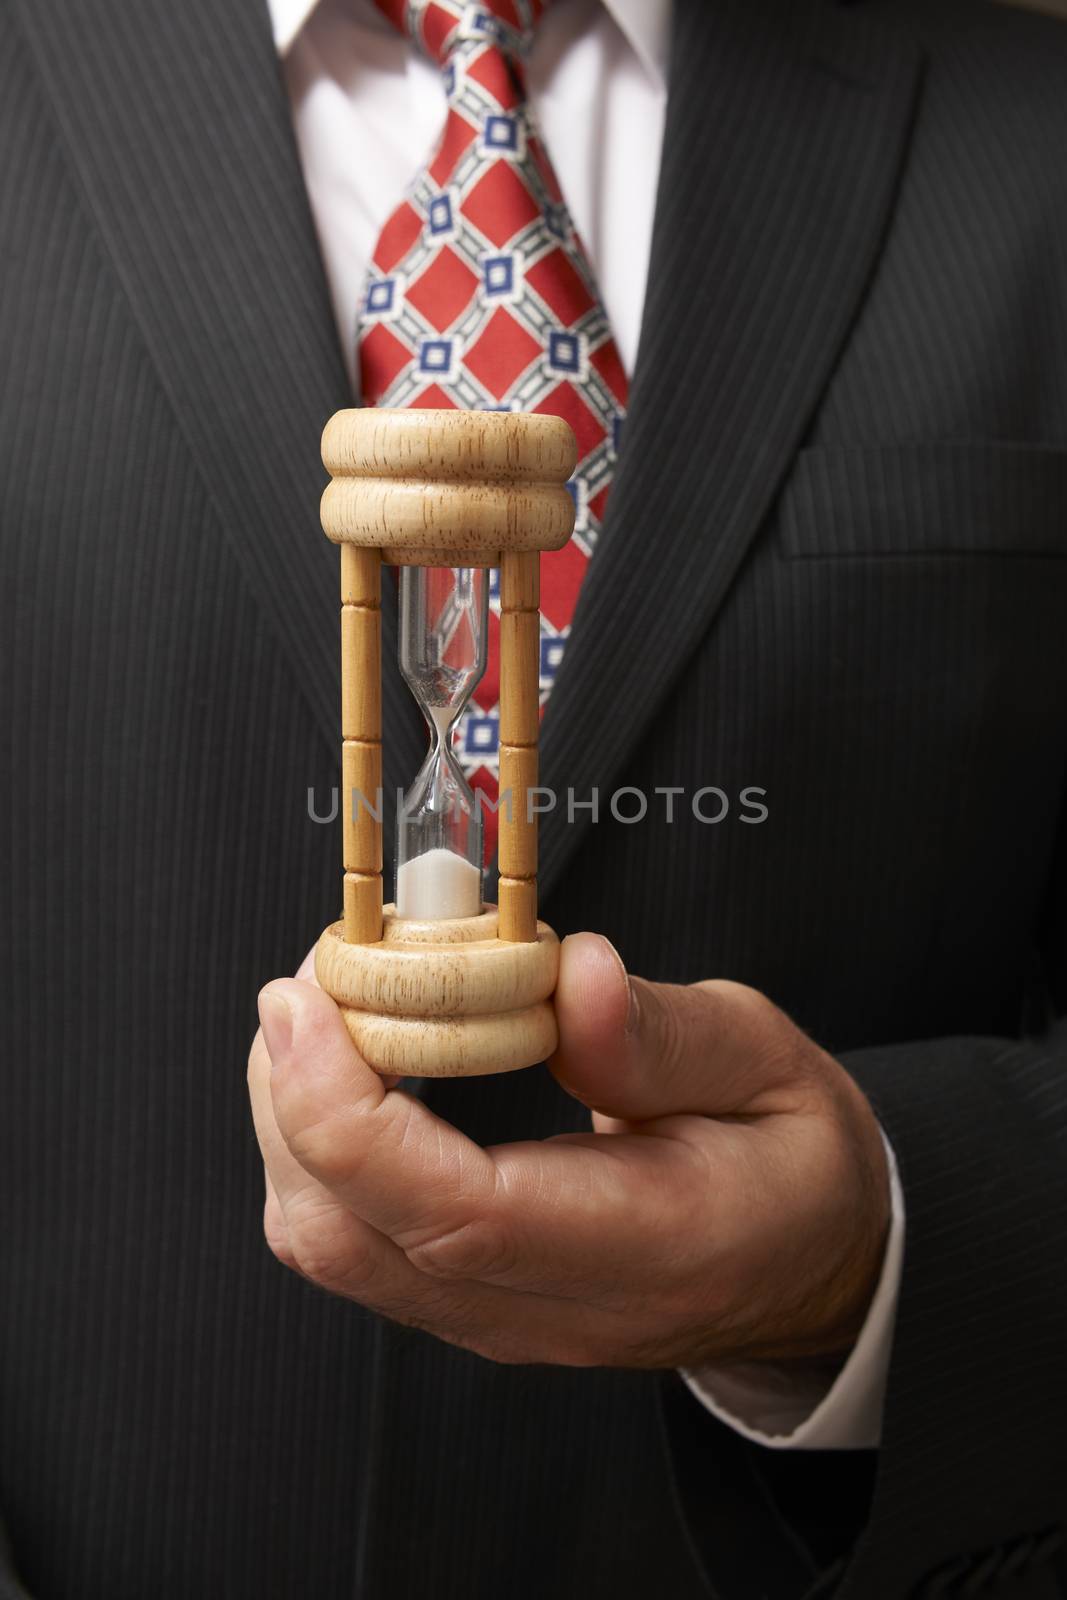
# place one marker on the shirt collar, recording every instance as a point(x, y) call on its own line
point(644, 23)
point(287, 17)
point(287, 20)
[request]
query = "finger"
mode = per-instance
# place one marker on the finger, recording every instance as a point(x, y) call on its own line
point(635, 1050)
point(312, 1231)
point(305, 972)
point(284, 1175)
point(534, 1216)
point(589, 1217)
point(383, 1153)
point(275, 1229)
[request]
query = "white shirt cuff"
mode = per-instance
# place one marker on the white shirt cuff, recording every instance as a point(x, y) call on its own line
point(785, 1409)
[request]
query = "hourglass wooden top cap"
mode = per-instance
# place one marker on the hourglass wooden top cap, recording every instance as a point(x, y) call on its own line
point(448, 481)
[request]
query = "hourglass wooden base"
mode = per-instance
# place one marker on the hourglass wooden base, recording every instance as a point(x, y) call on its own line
point(444, 999)
point(464, 996)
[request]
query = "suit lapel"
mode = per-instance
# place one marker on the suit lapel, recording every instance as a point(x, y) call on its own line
point(786, 126)
point(176, 121)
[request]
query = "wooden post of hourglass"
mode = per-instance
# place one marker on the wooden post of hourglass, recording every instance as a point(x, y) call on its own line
point(361, 734)
point(520, 644)
point(465, 995)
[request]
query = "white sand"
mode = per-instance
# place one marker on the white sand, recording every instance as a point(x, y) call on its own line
point(438, 884)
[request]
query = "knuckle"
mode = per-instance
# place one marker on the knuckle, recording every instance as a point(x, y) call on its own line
point(324, 1251)
point(322, 1142)
point(482, 1249)
point(790, 1062)
point(330, 1131)
point(277, 1236)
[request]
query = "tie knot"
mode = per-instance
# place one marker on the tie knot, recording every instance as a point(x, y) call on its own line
point(441, 27)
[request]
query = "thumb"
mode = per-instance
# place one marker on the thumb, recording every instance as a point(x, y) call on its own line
point(637, 1050)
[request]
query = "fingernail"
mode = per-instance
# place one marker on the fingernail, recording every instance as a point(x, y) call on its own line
point(276, 1020)
point(631, 1015)
point(631, 1018)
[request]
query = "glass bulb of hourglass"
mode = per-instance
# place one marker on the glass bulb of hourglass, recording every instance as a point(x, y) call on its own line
point(444, 621)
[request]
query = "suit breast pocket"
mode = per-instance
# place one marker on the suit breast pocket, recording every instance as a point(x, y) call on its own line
point(929, 499)
point(908, 636)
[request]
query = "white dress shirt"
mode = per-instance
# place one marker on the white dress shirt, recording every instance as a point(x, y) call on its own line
point(367, 109)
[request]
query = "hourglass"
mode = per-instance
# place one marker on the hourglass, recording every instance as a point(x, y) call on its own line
point(438, 984)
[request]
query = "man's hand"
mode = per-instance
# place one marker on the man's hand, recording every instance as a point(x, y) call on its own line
point(731, 1202)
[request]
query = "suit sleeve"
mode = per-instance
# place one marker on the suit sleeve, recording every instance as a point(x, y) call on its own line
point(970, 1473)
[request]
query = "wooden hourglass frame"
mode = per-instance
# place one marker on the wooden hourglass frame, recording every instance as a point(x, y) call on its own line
point(467, 995)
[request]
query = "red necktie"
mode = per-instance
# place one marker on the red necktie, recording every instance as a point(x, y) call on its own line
point(480, 296)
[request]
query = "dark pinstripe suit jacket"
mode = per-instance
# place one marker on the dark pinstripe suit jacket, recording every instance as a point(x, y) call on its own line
point(835, 567)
